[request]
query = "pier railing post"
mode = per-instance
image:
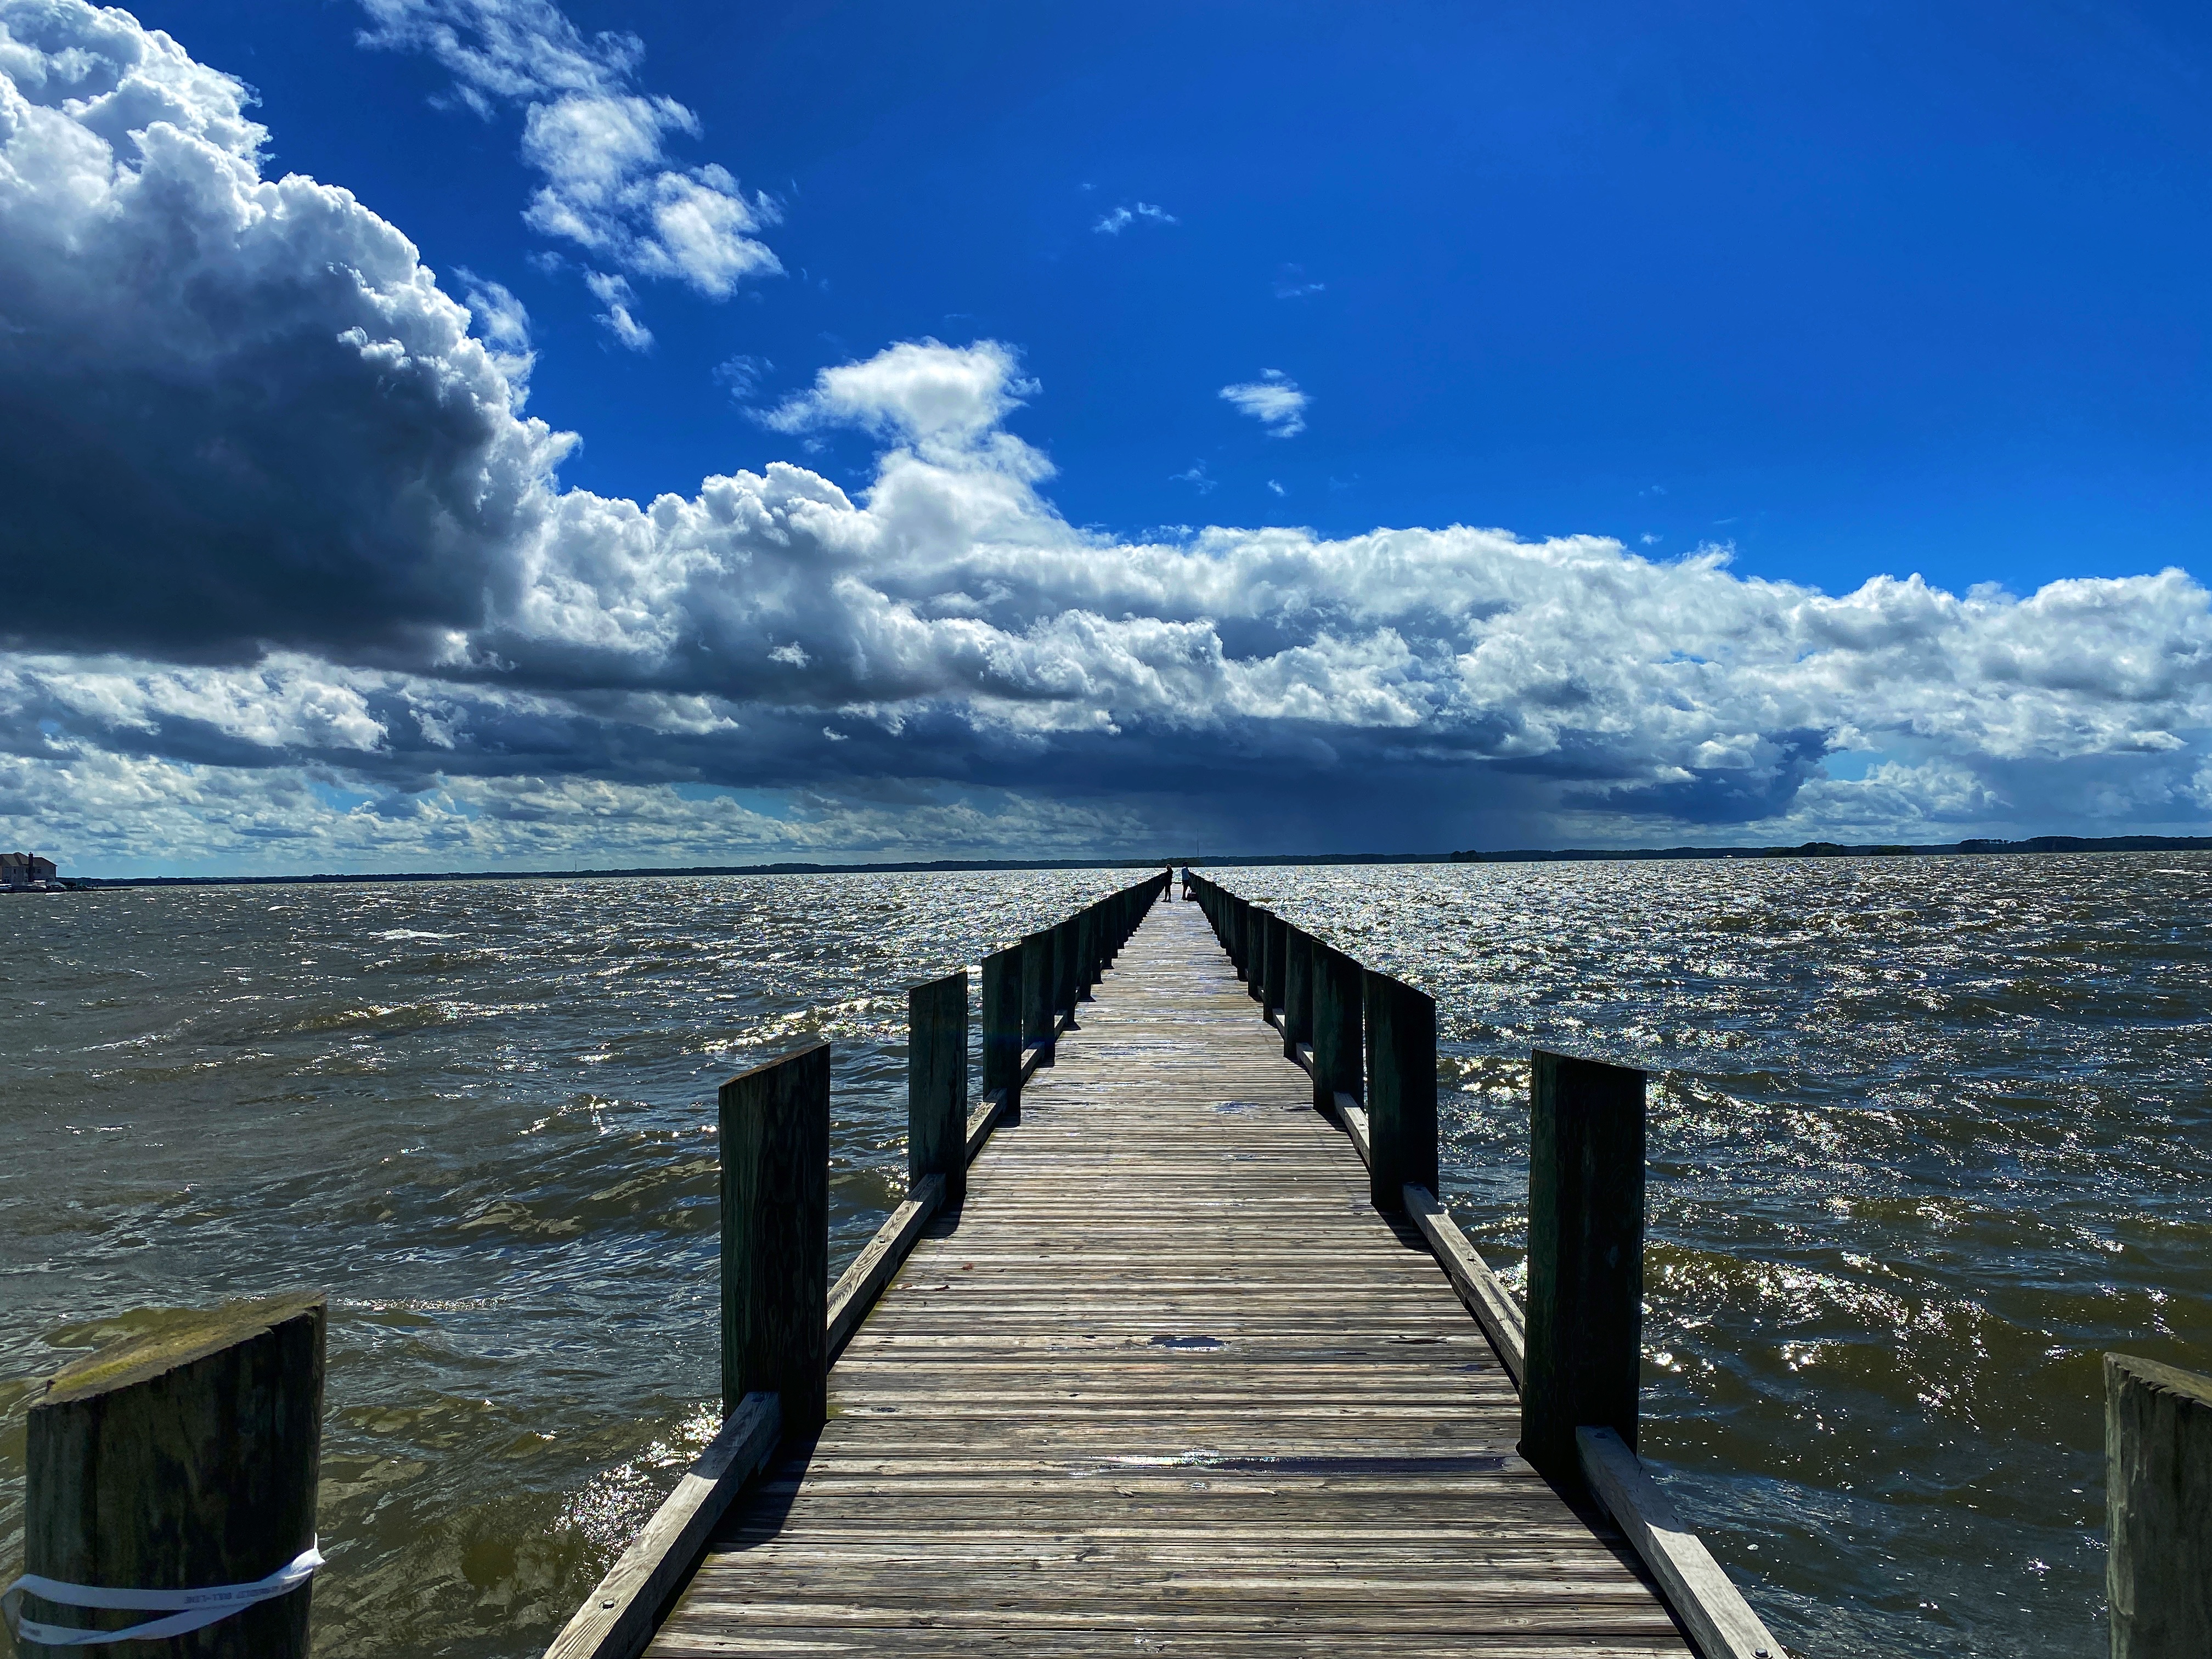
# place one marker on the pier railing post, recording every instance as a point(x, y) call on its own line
point(1336, 1038)
point(776, 1235)
point(1263, 927)
point(1585, 1257)
point(1002, 1025)
point(1036, 992)
point(1279, 957)
point(1257, 927)
point(1064, 970)
point(1401, 1089)
point(1298, 992)
point(937, 1083)
point(179, 1462)
point(1086, 952)
point(2157, 1509)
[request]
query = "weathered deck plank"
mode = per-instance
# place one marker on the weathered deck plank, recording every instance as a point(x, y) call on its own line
point(1167, 1381)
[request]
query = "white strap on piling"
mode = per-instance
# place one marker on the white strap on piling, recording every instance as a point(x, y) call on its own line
point(187, 1609)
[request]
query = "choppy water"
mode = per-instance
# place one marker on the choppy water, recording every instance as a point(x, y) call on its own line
point(1928, 1135)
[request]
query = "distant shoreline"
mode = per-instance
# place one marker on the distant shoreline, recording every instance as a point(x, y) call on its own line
point(1521, 855)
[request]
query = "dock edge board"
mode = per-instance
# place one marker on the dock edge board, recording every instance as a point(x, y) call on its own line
point(619, 1617)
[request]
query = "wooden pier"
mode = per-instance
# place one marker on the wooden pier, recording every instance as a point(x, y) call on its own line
point(1166, 1379)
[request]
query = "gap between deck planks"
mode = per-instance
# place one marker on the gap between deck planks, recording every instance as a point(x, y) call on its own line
point(1167, 1382)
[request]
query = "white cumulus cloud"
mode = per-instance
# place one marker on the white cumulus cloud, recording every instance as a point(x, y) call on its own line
point(602, 146)
point(1119, 219)
point(1273, 400)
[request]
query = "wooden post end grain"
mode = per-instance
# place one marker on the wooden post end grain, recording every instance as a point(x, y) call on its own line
point(183, 1459)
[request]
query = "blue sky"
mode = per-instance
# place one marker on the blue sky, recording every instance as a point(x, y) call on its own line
point(1856, 291)
point(1717, 313)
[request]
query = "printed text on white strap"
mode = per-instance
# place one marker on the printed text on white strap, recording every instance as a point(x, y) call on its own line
point(187, 1609)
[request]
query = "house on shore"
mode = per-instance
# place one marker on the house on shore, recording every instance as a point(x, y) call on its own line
point(23, 869)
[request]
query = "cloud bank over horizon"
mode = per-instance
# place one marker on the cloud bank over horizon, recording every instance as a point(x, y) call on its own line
point(299, 586)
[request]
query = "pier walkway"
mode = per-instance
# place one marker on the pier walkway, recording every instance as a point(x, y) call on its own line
point(1166, 1382)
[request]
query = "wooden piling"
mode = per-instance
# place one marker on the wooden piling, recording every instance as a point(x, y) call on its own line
point(2157, 1509)
point(1401, 1088)
point(186, 1459)
point(1002, 1023)
point(1585, 1257)
point(1337, 1021)
point(1086, 952)
point(1298, 992)
point(937, 1083)
point(1255, 954)
point(1278, 953)
point(1063, 968)
point(1036, 992)
point(776, 1235)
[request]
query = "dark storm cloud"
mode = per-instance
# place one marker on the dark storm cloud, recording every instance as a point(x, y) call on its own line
point(239, 414)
